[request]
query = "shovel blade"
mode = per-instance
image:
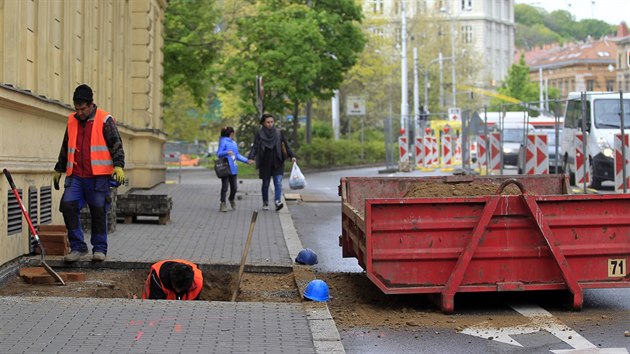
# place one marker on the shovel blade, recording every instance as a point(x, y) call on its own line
point(52, 273)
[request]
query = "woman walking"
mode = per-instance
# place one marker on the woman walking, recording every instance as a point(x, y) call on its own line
point(269, 151)
point(228, 148)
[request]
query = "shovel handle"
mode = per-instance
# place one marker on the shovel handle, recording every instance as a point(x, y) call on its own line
point(9, 178)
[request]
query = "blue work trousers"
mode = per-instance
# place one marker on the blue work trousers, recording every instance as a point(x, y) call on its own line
point(95, 192)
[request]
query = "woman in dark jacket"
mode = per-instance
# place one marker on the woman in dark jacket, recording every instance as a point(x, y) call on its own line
point(269, 144)
point(229, 148)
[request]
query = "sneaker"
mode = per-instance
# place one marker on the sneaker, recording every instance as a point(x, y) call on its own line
point(98, 256)
point(74, 256)
point(265, 206)
point(223, 207)
point(233, 204)
point(279, 205)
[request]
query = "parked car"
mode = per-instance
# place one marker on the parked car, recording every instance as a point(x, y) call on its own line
point(513, 137)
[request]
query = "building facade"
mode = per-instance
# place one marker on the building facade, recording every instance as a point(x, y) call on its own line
point(47, 48)
point(623, 63)
point(486, 25)
point(588, 66)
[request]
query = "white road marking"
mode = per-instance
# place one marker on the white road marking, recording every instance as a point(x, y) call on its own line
point(541, 320)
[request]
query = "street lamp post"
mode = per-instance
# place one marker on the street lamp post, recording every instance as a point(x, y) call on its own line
point(453, 77)
point(426, 80)
point(454, 88)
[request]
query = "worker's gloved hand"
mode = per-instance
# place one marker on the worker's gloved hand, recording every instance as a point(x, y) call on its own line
point(119, 175)
point(56, 178)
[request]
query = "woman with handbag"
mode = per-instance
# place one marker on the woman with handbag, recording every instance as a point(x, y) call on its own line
point(228, 148)
point(269, 149)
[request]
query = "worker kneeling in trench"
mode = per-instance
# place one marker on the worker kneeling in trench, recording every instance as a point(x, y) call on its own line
point(173, 280)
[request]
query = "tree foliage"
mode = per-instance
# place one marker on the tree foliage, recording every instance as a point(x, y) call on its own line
point(192, 47)
point(301, 48)
point(517, 85)
point(536, 27)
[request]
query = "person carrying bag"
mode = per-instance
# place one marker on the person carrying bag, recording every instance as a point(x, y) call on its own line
point(228, 151)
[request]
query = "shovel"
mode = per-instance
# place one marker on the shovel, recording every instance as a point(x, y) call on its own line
point(244, 256)
point(30, 225)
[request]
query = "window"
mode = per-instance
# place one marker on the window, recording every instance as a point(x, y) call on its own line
point(466, 5)
point(45, 205)
point(590, 85)
point(574, 113)
point(610, 85)
point(467, 35)
point(14, 214)
point(377, 6)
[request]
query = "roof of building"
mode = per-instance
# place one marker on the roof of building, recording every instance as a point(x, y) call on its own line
point(602, 51)
point(595, 51)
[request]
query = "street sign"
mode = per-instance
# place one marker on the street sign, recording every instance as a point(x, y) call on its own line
point(454, 114)
point(355, 106)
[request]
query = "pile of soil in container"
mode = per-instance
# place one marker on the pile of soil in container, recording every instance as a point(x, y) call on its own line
point(444, 190)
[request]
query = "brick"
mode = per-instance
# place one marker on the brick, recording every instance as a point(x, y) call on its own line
point(52, 228)
point(38, 275)
point(74, 276)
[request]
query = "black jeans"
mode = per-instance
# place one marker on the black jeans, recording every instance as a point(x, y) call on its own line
point(231, 180)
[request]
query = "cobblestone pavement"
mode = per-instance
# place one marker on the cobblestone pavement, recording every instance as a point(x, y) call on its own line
point(198, 232)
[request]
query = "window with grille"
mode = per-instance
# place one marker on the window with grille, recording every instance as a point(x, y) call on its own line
point(14, 214)
point(45, 205)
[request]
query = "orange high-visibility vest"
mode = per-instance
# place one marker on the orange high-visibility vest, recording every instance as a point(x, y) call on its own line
point(100, 158)
point(192, 293)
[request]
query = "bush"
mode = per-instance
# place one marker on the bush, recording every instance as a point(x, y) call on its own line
point(330, 153)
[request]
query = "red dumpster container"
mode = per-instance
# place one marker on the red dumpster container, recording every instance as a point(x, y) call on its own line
point(538, 239)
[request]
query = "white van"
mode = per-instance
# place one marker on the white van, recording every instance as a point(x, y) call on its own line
point(602, 123)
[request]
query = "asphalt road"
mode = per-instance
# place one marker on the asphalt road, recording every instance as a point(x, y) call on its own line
point(599, 327)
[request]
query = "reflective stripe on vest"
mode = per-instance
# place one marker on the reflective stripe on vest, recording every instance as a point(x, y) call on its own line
point(170, 294)
point(100, 158)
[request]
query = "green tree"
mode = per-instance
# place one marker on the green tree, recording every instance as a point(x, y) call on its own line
point(192, 47)
point(516, 85)
point(301, 50)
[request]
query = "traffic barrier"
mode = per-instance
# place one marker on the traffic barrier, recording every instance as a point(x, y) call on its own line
point(495, 151)
point(542, 155)
point(619, 165)
point(419, 147)
point(435, 152)
point(481, 154)
point(447, 152)
point(580, 177)
point(457, 156)
point(428, 158)
point(530, 155)
point(403, 148)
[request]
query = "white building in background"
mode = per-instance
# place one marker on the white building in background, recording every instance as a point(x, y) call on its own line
point(487, 25)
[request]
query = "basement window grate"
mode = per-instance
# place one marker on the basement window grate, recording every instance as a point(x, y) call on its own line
point(14, 214)
point(32, 205)
point(32, 213)
point(45, 205)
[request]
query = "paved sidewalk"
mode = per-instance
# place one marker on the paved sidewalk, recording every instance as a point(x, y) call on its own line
point(200, 233)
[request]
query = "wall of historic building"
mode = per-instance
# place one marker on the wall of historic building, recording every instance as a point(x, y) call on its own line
point(47, 48)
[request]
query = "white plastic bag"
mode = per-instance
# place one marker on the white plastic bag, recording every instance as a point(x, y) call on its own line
point(296, 180)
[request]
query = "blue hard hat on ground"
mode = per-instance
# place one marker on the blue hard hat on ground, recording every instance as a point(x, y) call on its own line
point(306, 256)
point(316, 290)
